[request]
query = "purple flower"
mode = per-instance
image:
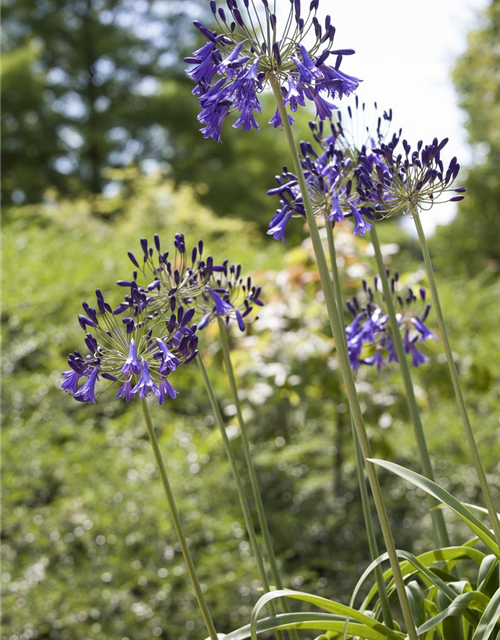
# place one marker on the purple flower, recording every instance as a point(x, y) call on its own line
point(421, 328)
point(328, 179)
point(324, 109)
point(390, 181)
point(169, 283)
point(370, 329)
point(238, 61)
point(276, 120)
point(417, 357)
point(228, 296)
point(336, 214)
point(132, 362)
point(169, 362)
point(125, 391)
point(307, 71)
point(377, 359)
point(361, 226)
point(206, 60)
point(166, 389)
point(221, 306)
point(72, 378)
point(245, 98)
point(136, 351)
point(86, 393)
point(145, 384)
point(293, 97)
point(279, 223)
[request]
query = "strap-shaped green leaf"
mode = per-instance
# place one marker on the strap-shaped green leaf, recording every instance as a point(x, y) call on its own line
point(322, 603)
point(471, 599)
point(445, 497)
point(408, 567)
point(489, 619)
point(417, 602)
point(324, 622)
point(486, 581)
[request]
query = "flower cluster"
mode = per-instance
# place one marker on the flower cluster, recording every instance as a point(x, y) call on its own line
point(329, 179)
point(153, 331)
point(390, 181)
point(132, 347)
point(370, 330)
point(357, 173)
point(248, 51)
point(211, 290)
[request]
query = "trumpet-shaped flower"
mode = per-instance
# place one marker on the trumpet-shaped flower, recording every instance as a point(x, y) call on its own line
point(207, 289)
point(328, 176)
point(369, 335)
point(248, 50)
point(138, 350)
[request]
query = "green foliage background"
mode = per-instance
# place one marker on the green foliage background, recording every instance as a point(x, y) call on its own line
point(88, 550)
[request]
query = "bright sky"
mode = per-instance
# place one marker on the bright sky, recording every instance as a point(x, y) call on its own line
point(405, 52)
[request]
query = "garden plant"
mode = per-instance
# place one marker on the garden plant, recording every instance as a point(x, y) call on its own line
point(346, 175)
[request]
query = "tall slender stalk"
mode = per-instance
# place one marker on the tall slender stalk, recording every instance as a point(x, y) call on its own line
point(352, 395)
point(198, 592)
point(257, 496)
point(370, 530)
point(441, 536)
point(360, 467)
point(471, 439)
point(237, 481)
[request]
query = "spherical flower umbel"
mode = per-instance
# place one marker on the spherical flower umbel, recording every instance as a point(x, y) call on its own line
point(210, 290)
point(249, 48)
point(369, 335)
point(390, 182)
point(329, 182)
point(139, 351)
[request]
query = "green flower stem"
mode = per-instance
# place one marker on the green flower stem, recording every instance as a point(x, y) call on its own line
point(441, 536)
point(237, 480)
point(455, 378)
point(337, 331)
point(257, 496)
point(198, 591)
point(365, 502)
point(370, 530)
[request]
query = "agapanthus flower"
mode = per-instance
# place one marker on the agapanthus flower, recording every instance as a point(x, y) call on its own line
point(229, 296)
point(332, 172)
point(328, 175)
point(132, 347)
point(369, 335)
point(390, 181)
point(248, 49)
point(207, 289)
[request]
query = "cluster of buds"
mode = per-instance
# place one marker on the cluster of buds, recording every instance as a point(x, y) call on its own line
point(390, 182)
point(356, 173)
point(186, 278)
point(153, 332)
point(248, 50)
point(369, 335)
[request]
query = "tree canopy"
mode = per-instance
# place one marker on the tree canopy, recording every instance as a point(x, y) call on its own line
point(472, 240)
